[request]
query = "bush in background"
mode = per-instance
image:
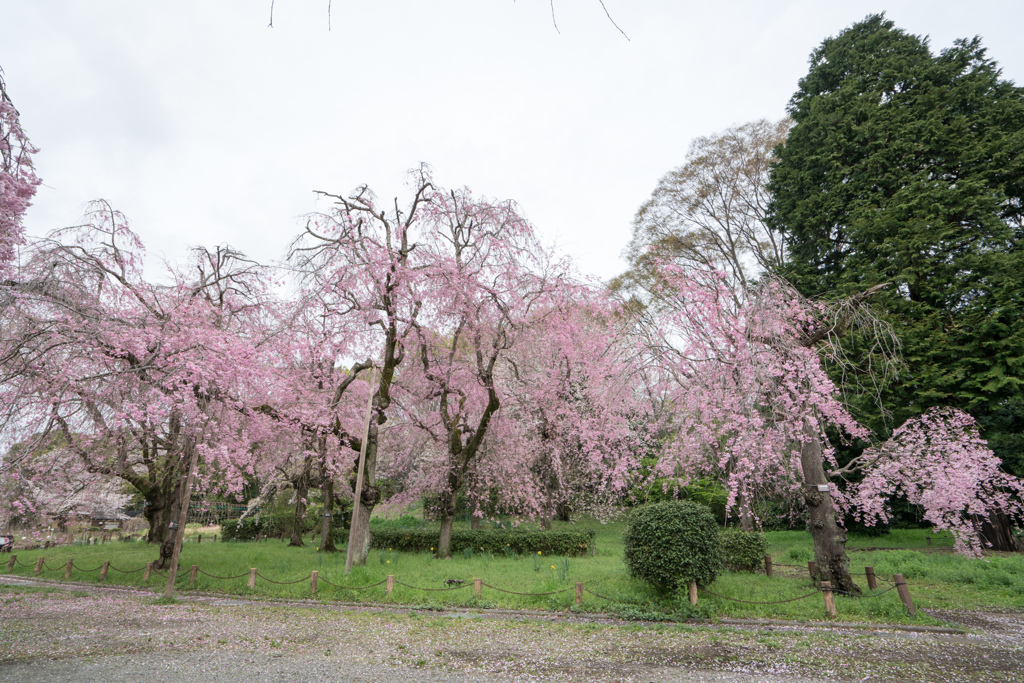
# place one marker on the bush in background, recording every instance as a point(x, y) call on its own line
point(743, 551)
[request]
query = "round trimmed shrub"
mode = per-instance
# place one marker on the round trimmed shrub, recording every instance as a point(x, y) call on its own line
point(672, 543)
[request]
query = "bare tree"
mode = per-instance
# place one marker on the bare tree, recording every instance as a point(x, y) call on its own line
point(709, 212)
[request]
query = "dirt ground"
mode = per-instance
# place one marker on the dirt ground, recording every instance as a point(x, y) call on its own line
point(89, 633)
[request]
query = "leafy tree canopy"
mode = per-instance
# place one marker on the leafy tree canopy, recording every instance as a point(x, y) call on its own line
point(907, 168)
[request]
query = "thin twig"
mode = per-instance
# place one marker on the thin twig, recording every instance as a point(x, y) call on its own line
point(607, 14)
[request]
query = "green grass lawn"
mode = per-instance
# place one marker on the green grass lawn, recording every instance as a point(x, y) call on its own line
point(937, 578)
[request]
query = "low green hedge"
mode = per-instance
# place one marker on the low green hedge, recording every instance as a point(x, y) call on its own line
point(246, 531)
point(743, 551)
point(561, 542)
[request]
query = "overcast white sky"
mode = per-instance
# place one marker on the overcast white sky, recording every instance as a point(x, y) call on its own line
point(205, 126)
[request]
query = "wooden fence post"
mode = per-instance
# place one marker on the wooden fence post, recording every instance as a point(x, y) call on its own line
point(579, 593)
point(901, 588)
point(830, 603)
point(39, 564)
point(149, 570)
point(103, 572)
point(390, 585)
point(193, 575)
point(693, 592)
point(768, 565)
point(812, 569)
point(313, 579)
point(200, 539)
point(10, 562)
point(215, 538)
point(477, 588)
point(872, 583)
point(67, 569)
point(252, 578)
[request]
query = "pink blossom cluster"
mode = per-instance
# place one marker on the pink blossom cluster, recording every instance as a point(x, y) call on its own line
point(18, 181)
point(749, 391)
point(939, 461)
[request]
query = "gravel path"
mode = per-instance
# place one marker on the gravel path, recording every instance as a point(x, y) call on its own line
point(88, 633)
point(207, 666)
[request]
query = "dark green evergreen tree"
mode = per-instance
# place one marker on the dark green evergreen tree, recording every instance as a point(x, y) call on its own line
point(908, 168)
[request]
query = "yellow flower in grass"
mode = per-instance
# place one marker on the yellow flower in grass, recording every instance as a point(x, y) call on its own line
point(538, 552)
point(552, 566)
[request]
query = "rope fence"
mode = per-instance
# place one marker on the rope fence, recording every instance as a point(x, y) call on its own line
point(502, 590)
point(87, 571)
point(461, 585)
point(282, 583)
point(598, 595)
point(355, 588)
point(824, 588)
point(223, 578)
point(758, 602)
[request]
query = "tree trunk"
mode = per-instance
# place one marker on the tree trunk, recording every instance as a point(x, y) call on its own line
point(563, 513)
point(362, 540)
point(174, 485)
point(444, 543)
point(301, 491)
point(327, 524)
point(996, 532)
point(550, 504)
point(167, 546)
point(158, 514)
point(746, 513)
point(829, 538)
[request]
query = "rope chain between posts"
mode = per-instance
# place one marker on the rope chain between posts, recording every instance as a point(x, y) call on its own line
point(74, 566)
point(862, 595)
point(797, 566)
point(20, 563)
point(433, 590)
point(283, 583)
point(223, 578)
point(351, 588)
point(758, 602)
point(893, 587)
point(502, 590)
point(598, 595)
